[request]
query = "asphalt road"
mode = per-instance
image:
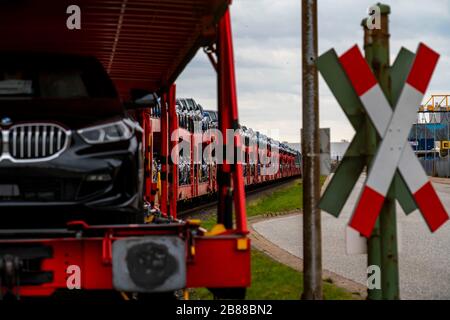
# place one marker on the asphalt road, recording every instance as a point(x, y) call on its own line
point(424, 258)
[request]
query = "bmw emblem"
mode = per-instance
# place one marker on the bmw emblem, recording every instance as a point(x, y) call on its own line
point(6, 121)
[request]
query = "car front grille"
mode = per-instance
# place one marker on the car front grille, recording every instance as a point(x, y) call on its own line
point(36, 141)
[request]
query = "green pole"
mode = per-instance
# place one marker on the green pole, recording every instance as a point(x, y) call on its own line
point(374, 242)
point(312, 246)
point(388, 225)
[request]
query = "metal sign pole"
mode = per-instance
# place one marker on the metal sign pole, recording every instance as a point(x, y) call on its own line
point(312, 249)
point(374, 242)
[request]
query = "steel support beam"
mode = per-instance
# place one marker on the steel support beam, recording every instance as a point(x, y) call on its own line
point(230, 175)
point(173, 136)
point(164, 153)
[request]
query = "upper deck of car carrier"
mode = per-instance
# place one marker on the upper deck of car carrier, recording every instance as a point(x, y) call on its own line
point(143, 45)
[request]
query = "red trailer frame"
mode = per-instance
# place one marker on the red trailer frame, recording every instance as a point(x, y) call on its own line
point(138, 54)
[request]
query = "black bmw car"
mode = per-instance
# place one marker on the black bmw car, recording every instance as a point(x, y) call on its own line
point(68, 150)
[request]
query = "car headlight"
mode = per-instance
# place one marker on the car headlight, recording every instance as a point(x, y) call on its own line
point(111, 132)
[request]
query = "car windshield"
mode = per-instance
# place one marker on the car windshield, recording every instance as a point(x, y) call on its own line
point(63, 79)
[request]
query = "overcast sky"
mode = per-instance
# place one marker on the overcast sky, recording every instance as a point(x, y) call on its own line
point(268, 57)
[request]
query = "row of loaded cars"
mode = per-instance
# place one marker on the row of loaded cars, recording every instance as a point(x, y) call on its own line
point(189, 112)
point(198, 179)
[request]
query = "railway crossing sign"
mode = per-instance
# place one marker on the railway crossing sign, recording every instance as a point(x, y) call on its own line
point(394, 159)
point(359, 151)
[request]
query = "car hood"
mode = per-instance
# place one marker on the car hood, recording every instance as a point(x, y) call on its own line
point(73, 113)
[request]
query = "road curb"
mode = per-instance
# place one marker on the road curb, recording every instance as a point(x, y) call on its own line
point(262, 244)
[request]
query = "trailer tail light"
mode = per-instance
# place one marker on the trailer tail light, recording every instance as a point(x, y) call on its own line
point(242, 244)
point(150, 264)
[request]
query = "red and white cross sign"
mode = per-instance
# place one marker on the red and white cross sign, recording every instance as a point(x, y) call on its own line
point(394, 151)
